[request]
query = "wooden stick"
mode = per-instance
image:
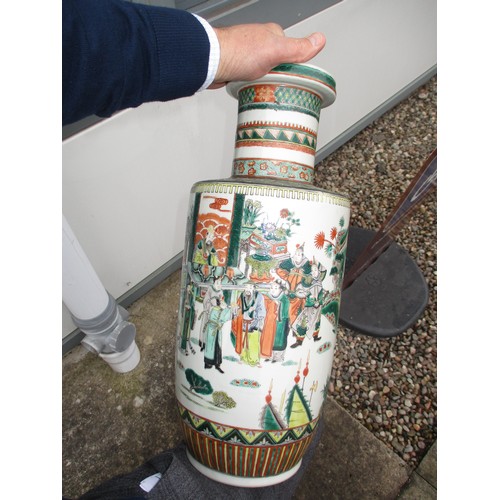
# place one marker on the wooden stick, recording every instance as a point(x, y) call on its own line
point(422, 184)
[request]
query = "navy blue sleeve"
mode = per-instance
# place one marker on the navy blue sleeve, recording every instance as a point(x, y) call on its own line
point(118, 54)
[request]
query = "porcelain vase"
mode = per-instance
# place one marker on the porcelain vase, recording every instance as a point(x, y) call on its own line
point(262, 273)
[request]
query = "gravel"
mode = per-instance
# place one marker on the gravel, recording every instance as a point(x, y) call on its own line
point(390, 385)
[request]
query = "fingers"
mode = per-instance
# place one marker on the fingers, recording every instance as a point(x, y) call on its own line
point(275, 28)
point(296, 49)
point(217, 85)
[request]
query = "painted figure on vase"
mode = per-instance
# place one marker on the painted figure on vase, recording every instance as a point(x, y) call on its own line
point(189, 320)
point(309, 320)
point(218, 316)
point(292, 271)
point(273, 340)
point(214, 290)
point(205, 252)
point(249, 314)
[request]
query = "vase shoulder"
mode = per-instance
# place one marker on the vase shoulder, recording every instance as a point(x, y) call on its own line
point(271, 188)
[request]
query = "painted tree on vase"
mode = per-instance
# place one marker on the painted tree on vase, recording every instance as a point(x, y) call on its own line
point(210, 235)
point(336, 248)
point(294, 409)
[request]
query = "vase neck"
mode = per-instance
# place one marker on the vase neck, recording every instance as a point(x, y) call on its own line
point(277, 130)
point(278, 119)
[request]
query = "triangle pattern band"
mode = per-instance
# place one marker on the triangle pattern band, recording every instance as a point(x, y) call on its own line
point(245, 436)
point(276, 135)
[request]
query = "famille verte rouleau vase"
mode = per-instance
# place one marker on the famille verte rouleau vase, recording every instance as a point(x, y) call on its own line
point(261, 280)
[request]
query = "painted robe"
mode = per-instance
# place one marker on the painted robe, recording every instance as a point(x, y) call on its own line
point(206, 253)
point(294, 274)
point(213, 350)
point(273, 340)
point(189, 318)
point(212, 292)
point(309, 320)
point(247, 326)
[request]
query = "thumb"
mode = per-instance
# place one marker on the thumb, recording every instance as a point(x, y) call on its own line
point(317, 40)
point(302, 49)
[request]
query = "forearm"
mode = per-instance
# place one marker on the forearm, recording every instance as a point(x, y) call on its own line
point(117, 54)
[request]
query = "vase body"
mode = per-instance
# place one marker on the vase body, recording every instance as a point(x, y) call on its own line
point(262, 273)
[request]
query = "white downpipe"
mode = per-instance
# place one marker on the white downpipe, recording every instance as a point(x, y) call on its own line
point(83, 292)
point(94, 310)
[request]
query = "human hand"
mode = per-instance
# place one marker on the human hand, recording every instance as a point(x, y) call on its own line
point(249, 51)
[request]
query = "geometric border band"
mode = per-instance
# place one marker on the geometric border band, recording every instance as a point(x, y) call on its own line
point(242, 460)
point(273, 169)
point(230, 187)
point(245, 437)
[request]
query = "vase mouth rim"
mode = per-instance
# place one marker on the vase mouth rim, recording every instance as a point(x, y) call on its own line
point(312, 77)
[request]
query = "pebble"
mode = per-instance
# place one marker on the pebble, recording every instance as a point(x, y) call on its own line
point(398, 446)
point(391, 384)
point(138, 402)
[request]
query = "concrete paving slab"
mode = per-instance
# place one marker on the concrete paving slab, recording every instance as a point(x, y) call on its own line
point(428, 467)
point(351, 463)
point(418, 489)
point(423, 482)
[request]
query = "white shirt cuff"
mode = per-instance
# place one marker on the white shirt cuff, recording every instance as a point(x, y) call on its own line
point(214, 58)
